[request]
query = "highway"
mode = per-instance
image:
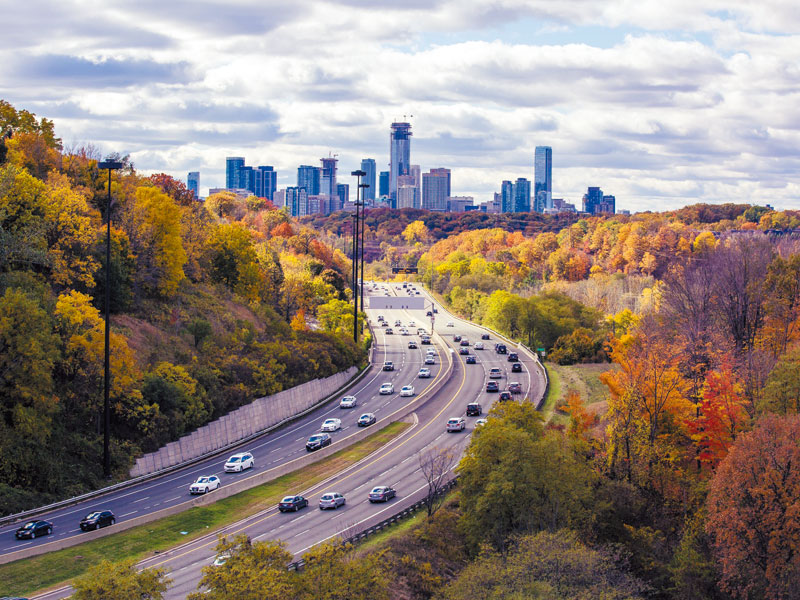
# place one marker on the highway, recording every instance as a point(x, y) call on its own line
point(396, 464)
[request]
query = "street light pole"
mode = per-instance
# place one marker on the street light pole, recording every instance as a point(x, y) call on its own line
point(362, 186)
point(110, 165)
point(358, 174)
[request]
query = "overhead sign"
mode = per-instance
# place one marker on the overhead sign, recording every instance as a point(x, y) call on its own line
point(397, 270)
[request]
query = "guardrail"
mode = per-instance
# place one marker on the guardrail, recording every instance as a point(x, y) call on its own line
point(241, 484)
point(388, 522)
point(25, 515)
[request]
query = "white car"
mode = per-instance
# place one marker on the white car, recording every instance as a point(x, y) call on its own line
point(221, 559)
point(331, 500)
point(240, 462)
point(408, 390)
point(386, 388)
point(424, 373)
point(331, 424)
point(204, 484)
point(430, 360)
point(478, 346)
point(451, 324)
point(412, 324)
point(480, 422)
point(456, 424)
point(348, 402)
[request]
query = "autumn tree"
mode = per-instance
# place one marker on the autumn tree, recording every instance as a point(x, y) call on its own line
point(436, 464)
point(233, 260)
point(752, 512)
point(173, 188)
point(415, 232)
point(22, 209)
point(121, 581)
point(782, 392)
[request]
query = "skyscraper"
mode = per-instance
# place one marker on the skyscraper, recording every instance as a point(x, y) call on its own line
point(193, 183)
point(435, 189)
point(297, 201)
point(506, 197)
point(522, 195)
point(399, 154)
point(343, 193)
point(368, 194)
point(595, 202)
point(246, 179)
point(383, 188)
point(543, 178)
point(266, 182)
point(232, 166)
point(308, 178)
point(328, 179)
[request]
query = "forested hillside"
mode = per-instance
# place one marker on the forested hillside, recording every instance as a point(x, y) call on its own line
point(213, 304)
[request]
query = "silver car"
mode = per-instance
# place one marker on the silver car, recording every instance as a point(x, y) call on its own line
point(331, 500)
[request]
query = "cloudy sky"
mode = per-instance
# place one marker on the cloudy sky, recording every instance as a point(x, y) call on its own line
point(660, 102)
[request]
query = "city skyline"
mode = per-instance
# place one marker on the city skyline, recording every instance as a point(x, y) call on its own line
point(665, 105)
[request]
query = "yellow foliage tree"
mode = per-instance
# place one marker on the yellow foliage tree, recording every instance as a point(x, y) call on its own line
point(416, 231)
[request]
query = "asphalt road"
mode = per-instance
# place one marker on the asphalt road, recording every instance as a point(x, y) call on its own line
point(396, 465)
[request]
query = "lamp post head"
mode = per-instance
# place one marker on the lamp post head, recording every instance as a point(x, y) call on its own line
point(358, 173)
point(110, 164)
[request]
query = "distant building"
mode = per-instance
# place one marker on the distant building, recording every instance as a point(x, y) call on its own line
point(410, 196)
point(460, 204)
point(543, 178)
point(279, 198)
point(193, 183)
point(559, 205)
point(232, 166)
point(383, 186)
point(399, 154)
point(296, 199)
point(435, 189)
point(369, 193)
point(494, 206)
point(595, 202)
point(522, 195)
point(328, 179)
point(308, 178)
point(266, 182)
point(343, 192)
point(415, 172)
point(506, 197)
point(247, 179)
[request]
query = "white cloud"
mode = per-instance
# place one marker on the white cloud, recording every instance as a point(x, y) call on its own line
point(685, 101)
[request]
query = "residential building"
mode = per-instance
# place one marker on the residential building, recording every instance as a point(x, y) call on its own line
point(266, 182)
point(193, 183)
point(435, 189)
point(506, 197)
point(410, 196)
point(522, 195)
point(415, 172)
point(247, 179)
point(383, 186)
point(296, 199)
point(308, 178)
point(460, 203)
point(328, 178)
point(343, 193)
point(595, 202)
point(279, 198)
point(232, 166)
point(543, 178)
point(368, 193)
point(323, 204)
point(399, 154)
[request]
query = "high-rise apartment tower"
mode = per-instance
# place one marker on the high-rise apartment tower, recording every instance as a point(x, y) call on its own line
point(399, 154)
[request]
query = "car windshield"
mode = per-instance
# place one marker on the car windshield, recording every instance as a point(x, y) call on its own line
point(329, 421)
point(453, 421)
point(93, 515)
point(327, 497)
point(288, 499)
point(315, 438)
point(233, 459)
point(30, 525)
point(377, 490)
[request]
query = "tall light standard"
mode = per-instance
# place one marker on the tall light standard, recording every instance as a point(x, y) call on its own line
point(358, 174)
point(110, 165)
point(362, 186)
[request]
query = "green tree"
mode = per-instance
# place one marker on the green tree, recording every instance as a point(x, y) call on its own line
point(331, 572)
point(120, 581)
point(782, 392)
point(22, 210)
point(234, 260)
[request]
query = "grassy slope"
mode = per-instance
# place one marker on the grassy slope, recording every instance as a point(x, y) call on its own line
point(25, 576)
point(584, 379)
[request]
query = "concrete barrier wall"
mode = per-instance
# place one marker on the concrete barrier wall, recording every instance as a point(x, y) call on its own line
point(259, 415)
point(244, 483)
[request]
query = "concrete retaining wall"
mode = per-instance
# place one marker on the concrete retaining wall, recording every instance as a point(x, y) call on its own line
point(259, 415)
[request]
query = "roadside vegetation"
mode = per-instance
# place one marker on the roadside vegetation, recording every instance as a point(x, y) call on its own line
point(212, 306)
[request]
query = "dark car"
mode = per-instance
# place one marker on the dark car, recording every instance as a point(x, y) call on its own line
point(388, 365)
point(505, 396)
point(491, 386)
point(317, 441)
point(429, 314)
point(456, 338)
point(501, 349)
point(97, 519)
point(485, 336)
point(464, 351)
point(34, 529)
point(471, 360)
point(512, 357)
point(435, 310)
point(464, 342)
point(412, 345)
point(473, 409)
point(516, 368)
point(515, 387)
point(382, 493)
point(426, 340)
point(293, 503)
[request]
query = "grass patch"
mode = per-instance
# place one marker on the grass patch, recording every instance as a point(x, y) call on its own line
point(584, 379)
point(24, 577)
point(379, 540)
point(553, 391)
